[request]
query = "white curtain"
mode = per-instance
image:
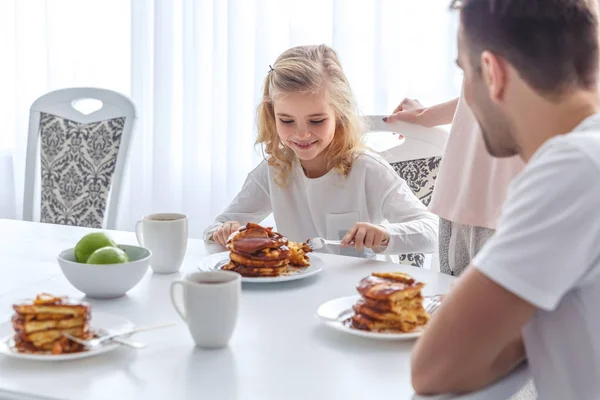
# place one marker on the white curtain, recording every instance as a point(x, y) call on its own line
point(194, 69)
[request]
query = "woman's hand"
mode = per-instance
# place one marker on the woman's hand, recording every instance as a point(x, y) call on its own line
point(365, 235)
point(411, 111)
point(222, 234)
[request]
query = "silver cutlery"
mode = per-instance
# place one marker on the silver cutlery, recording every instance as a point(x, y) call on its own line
point(129, 343)
point(95, 342)
point(317, 243)
point(341, 317)
point(434, 304)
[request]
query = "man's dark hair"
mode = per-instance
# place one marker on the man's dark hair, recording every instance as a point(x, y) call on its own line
point(553, 44)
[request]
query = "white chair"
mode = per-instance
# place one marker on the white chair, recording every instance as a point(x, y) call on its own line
point(416, 158)
point(419, 141)
point(83, 136)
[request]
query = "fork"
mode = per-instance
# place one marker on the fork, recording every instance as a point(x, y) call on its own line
point(339, 318)
point(97, 341)
point(436, 302)
point(129, 343)
point(317, 243)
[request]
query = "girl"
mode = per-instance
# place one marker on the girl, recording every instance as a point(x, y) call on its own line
point(317, 179)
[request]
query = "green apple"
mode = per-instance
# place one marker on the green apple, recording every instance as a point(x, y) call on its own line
point(108, 255)
point(90, 243)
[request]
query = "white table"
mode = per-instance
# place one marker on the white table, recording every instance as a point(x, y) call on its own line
point(279, 349)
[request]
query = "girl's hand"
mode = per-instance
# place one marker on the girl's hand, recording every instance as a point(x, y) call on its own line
point(222, 234)
point(365, 235)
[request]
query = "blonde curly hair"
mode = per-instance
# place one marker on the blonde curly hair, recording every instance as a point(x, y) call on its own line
point(310, 69)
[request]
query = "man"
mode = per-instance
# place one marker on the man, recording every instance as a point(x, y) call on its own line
point(531, 79)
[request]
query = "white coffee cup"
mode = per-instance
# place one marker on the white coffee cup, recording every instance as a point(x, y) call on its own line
point(210, 305)
point(166, 236)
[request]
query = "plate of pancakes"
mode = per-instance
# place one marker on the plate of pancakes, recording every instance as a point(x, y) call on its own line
point(389, 306)
point(35, 331)
point(261, 255)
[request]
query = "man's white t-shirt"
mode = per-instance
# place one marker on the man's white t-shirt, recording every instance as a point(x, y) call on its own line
point(329, 206)
point(546, 250)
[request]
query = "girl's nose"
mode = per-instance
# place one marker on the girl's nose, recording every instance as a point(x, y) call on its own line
point(302, 133)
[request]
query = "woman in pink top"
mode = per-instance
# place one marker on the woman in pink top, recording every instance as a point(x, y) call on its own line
point(471, 185)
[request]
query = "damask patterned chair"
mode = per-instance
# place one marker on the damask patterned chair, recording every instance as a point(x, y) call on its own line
point(416, 158)
point(80, 154)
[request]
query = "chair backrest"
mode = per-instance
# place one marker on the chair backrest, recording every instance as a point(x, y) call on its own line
point(416, 158)
point(82, 156)
point(419, 141)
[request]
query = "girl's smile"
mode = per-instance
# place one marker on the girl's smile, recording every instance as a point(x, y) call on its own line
point(306, 124)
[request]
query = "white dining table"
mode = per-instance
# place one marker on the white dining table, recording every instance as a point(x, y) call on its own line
point(279, 349)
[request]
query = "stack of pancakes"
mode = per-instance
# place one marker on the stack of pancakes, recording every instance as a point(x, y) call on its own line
point(39, 325)
point(391, 302)
point(257, 252)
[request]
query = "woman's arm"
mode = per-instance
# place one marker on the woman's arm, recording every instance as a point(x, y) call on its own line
point(412, 111)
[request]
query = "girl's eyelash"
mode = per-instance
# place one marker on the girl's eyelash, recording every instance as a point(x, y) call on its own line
point(291, 121)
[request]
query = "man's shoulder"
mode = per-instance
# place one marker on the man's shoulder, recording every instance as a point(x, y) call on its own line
point(586, 143)
point(563, 168)
point(573, 152)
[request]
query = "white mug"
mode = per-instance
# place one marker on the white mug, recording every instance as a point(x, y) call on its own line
point(166, 236)
point(210, 305)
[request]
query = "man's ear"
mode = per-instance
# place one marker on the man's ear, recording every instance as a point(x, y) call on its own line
point(495, 74)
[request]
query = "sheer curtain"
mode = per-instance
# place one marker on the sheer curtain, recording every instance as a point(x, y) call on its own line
point(194, 69)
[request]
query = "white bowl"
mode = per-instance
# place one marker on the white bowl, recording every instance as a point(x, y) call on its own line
point(106, 281)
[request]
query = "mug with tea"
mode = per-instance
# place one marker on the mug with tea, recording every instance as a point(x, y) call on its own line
point(166, 236)
point(210, 302)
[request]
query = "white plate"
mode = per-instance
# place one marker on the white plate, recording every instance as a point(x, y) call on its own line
point(217, 261)
point(334, 312)
point(107, 322)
